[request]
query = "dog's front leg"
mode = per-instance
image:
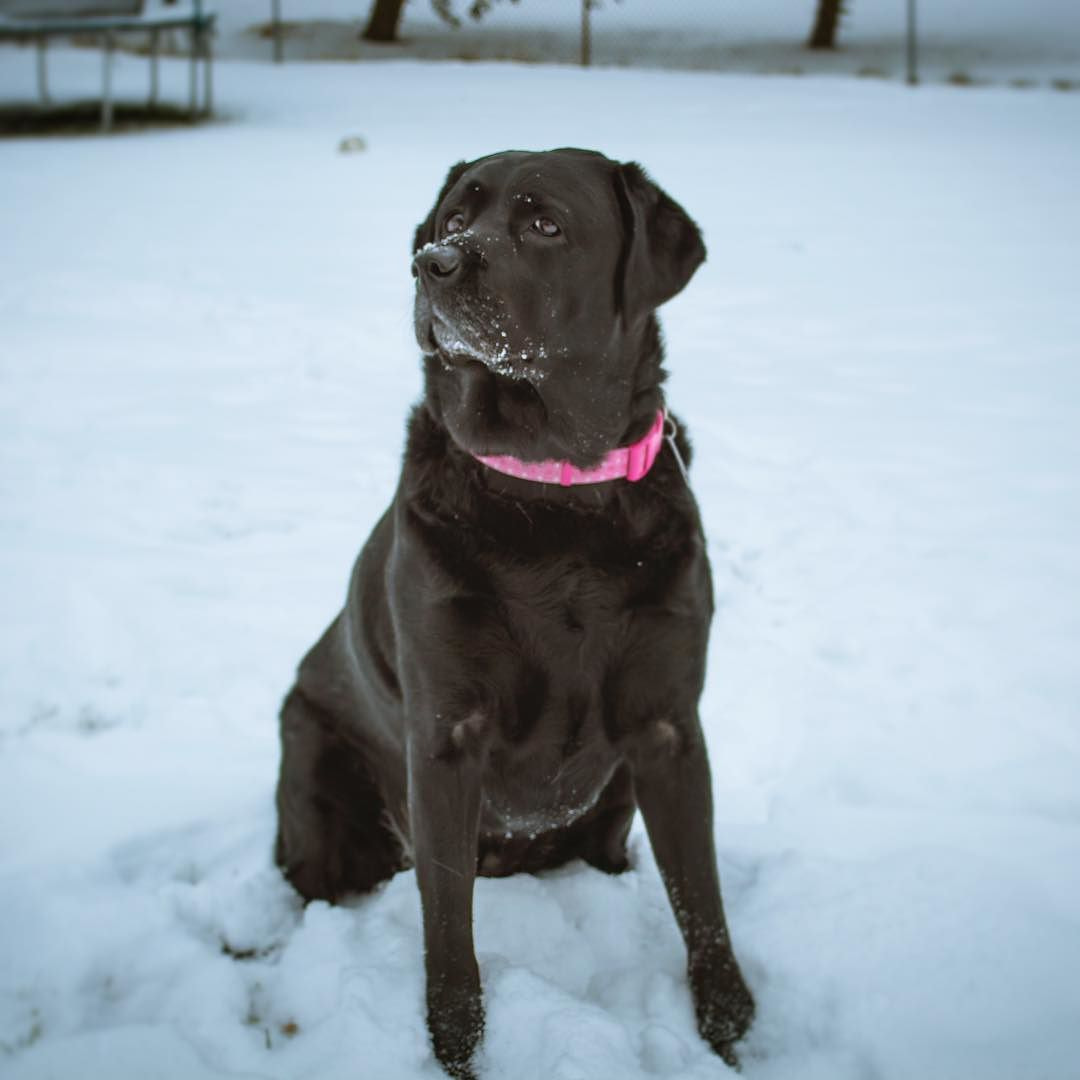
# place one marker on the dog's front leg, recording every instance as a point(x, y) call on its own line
point(444, 808)
point(674, 792)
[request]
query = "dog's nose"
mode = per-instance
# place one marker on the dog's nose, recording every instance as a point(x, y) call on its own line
point(439, 261)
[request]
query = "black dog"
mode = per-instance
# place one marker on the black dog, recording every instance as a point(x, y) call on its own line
point(519, 660)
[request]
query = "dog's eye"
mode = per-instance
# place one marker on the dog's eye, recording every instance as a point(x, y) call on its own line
point(454, 223)
point(545, 227)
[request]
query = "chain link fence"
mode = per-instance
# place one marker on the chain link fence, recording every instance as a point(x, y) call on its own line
point(991, 42)
point(953, 41)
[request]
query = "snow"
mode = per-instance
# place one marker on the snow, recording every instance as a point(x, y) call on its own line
point(205, 364)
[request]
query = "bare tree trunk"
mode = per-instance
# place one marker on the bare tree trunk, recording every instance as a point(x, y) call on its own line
point(383, 21)
point(823, 36)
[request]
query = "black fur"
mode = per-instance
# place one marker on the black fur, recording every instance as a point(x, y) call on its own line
point(517, 665)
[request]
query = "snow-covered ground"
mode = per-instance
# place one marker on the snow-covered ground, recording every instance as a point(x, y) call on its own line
point(205, 363)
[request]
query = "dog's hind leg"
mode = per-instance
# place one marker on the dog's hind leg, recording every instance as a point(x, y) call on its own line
point(600, 837)
point(333, 835)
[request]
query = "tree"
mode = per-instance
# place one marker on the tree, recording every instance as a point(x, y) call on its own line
point(829, 13)
point(383, 21)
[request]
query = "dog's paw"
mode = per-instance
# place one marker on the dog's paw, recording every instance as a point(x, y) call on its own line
point(725, 1008)
point(455, 1055)
point(459, 1070)
point(456, 1024)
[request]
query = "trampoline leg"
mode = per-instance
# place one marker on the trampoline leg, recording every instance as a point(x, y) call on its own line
point(193, 104)
point(208, 74)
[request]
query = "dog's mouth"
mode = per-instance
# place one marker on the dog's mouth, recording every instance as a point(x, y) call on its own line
point(458, 343)
point(454, 342)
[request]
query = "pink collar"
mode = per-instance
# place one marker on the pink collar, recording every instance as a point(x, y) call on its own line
point(631, 462)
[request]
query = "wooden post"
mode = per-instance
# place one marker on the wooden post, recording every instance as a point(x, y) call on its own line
point(586, 33)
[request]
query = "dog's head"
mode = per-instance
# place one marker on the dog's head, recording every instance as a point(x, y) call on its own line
point(537, 278)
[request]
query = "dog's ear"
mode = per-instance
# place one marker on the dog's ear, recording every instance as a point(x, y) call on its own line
point(663, 246)
point(425, 231)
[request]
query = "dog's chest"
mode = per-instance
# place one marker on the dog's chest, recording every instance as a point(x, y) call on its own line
point(548, 780)
point(552, 754)
point(572, 608)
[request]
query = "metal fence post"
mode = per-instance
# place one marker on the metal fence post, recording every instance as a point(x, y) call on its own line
point(912, 45)
point(42, 70)
point(275, 18)
point(107, 89)
point(586, 33)
point(154, 48)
